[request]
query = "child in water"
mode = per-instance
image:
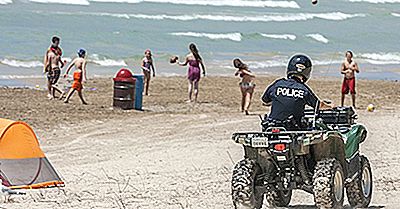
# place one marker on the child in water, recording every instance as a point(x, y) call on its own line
point(79, 75)
point(147, 67)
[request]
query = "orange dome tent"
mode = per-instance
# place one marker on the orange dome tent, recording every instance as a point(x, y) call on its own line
point(23, 164)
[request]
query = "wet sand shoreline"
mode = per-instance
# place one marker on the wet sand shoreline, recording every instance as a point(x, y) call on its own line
point(219, 94)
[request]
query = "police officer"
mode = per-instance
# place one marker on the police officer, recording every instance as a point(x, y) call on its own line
point(290, 95)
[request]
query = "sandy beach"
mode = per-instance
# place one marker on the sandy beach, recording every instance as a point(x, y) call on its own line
point(174, 154)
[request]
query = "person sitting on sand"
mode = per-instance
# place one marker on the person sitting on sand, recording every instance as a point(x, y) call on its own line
point(246, 85)
point(52, 66)
point(147, 67)
point(194, 60)
point(348, 69)
point(79, 75)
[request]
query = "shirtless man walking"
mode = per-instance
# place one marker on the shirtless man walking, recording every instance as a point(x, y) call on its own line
point(348, 69)
point(52, 66)
point(79, 75)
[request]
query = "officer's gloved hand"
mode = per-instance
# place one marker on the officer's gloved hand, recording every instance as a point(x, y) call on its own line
point(326, 104)
point(267, 104)
point(327, 101)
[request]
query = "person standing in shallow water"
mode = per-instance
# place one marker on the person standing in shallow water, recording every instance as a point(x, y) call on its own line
point(349, 68)
point(147, 67)
point(195, 61)
point(247, 84)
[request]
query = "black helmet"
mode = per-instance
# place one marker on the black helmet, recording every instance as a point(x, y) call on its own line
point(81, 52)
point(299, 65)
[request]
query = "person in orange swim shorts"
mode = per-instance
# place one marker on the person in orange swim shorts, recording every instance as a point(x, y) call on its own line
point(79, 75)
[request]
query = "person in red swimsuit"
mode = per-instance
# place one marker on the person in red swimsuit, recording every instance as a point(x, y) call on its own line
point(79, 75)
point(349, 68)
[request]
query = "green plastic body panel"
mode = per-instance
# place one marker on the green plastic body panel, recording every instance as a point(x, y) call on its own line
point(353, 138)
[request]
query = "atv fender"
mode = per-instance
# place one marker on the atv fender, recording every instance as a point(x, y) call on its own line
point(353, 138)
point(332, 146)
point(261, 157)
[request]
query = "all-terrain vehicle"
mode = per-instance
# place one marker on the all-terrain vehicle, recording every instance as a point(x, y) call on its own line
point(321, 156)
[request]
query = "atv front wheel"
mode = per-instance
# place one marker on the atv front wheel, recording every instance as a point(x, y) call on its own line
point(359, 191)
point(279, 198)
point(244, 191)
point(328, 184)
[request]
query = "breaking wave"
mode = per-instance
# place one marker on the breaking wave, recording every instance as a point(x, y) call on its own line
point(18, 63)
point(266, 64)
point(381, 58)
point(281, 62)
point(279, 36)
point(214, 36)
point(7, 77)
point(233, 3)
point(94, 58)
point(271, 17)
point(318, 37)
point(377, 1)
point(71, 2)
point(3, 2)
point(104, 61)
point(396, 14)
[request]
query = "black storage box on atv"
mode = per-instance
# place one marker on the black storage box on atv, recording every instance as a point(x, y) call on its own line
point(341, 116)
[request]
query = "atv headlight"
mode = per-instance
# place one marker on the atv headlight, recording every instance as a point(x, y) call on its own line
point(240, 139)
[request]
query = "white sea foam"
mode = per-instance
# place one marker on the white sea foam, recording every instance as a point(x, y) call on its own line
point(233, 3)
point(271, 17)
point(126, 16)
point(109, 62)
point(377, 1)
point(381, 58)
point(18, 63)
point(20, 76)
point(214, 36)
point(279, 62)
point(279, 36)
point(72, 2)
point(103, 61)
point(396, 14)
point(318, 37)
point(326, 62)
point(266, 64)
point(162, 17)
point(2, 2)
point(67, 59)
point(336, 16)
point(378, 62)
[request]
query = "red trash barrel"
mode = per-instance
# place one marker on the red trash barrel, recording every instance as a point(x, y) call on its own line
point(124, 90)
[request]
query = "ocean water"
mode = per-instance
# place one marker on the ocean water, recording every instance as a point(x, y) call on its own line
point(263, 33)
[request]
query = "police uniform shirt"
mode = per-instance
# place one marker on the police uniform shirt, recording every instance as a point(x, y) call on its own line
point(289, 97)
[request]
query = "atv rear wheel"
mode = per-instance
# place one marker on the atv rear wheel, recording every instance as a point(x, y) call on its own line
point(244, 191)
point(279, 198)
point(328, 184)
point(359, 191)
